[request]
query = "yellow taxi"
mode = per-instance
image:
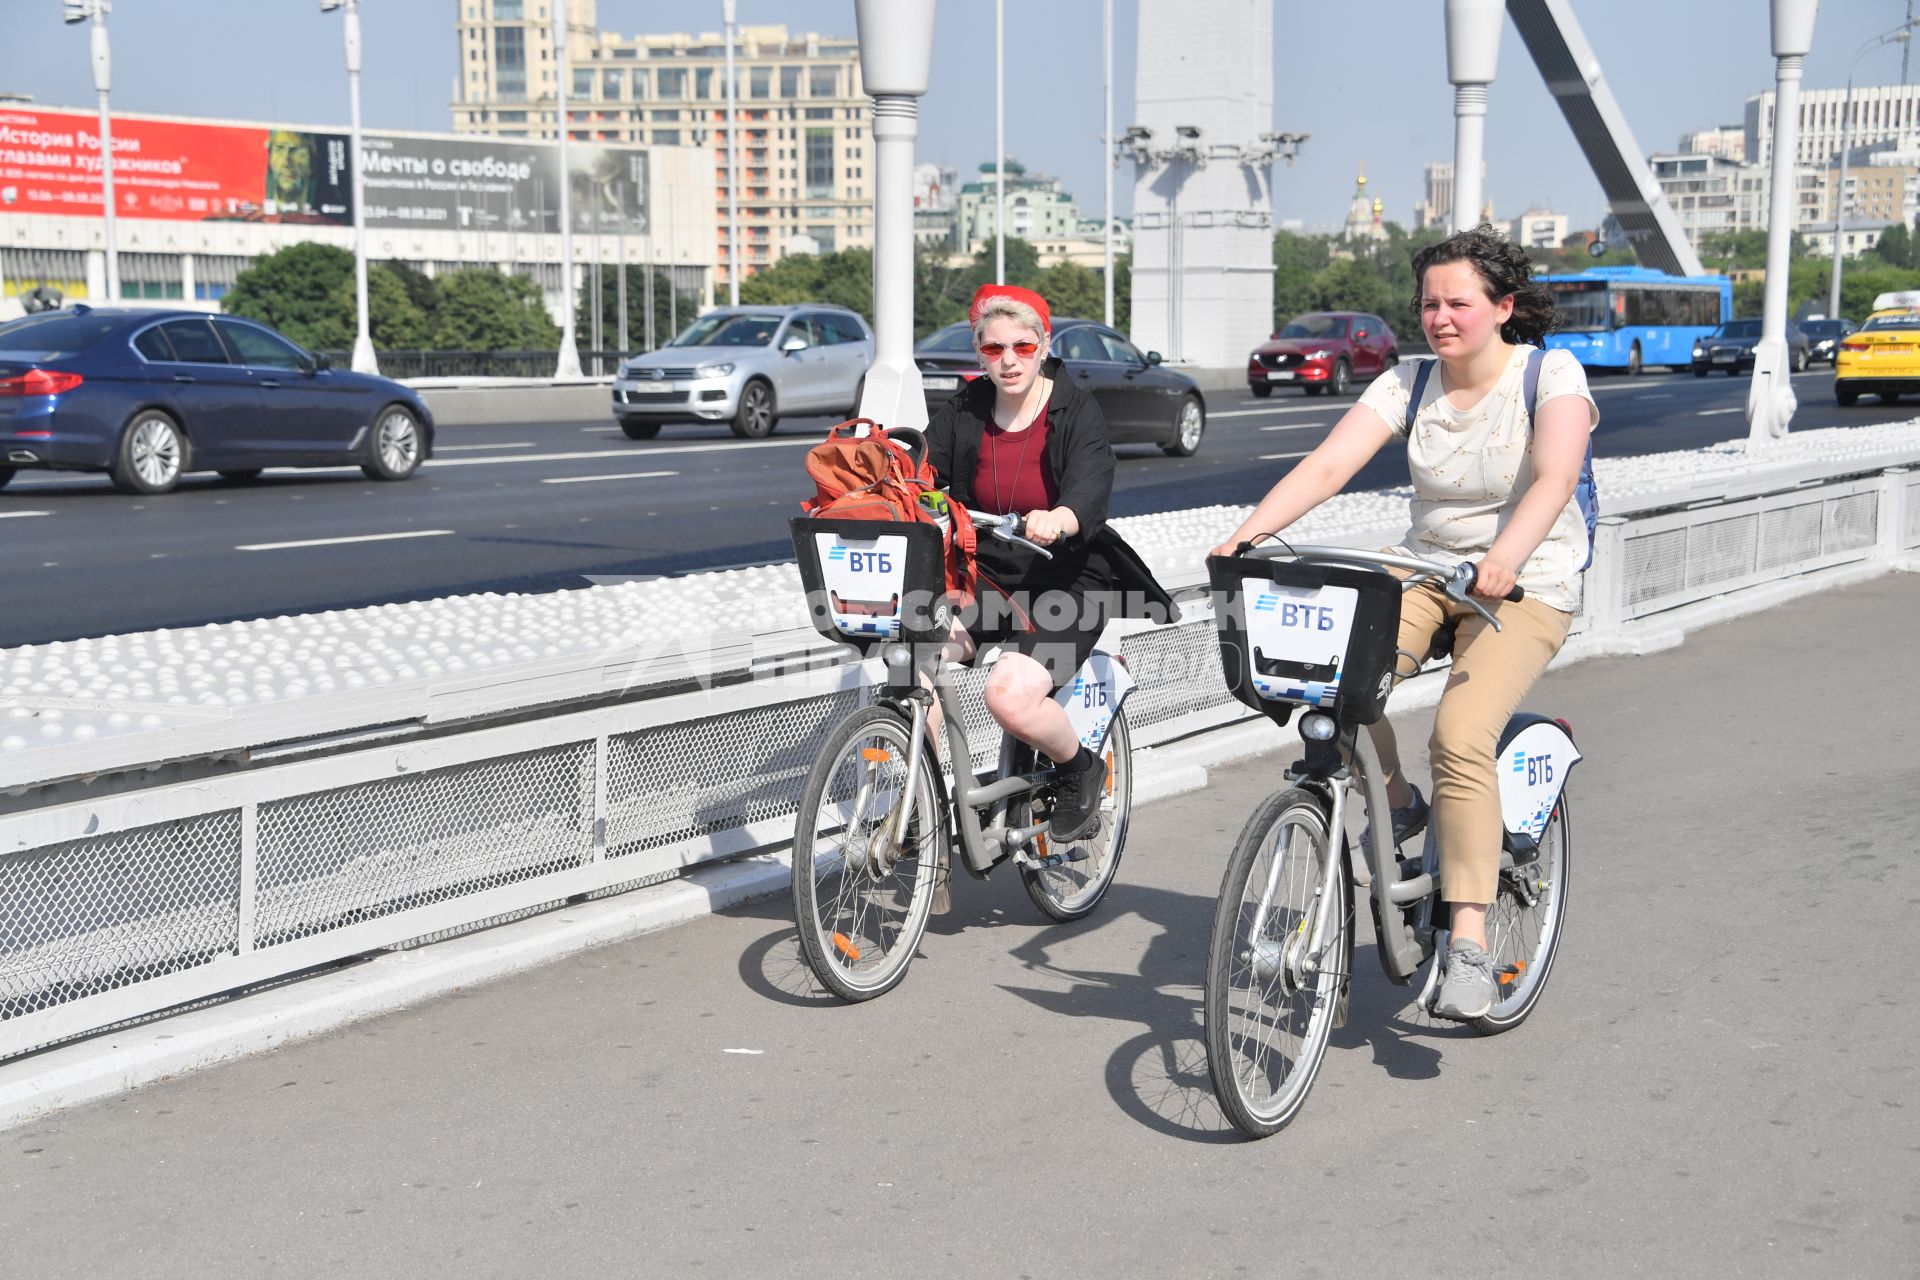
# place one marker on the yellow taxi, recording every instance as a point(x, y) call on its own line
point(1883, 355)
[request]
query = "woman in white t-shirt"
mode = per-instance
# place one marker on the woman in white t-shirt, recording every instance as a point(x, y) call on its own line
point(1486, 489)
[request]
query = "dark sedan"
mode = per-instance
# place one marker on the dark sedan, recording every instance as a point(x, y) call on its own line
point(147, 396)
point(1143, 401)
point(1730, 349)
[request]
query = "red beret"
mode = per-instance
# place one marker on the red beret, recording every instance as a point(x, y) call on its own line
point(988, 292)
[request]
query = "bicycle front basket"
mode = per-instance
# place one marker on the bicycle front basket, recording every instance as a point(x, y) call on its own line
point(1305, 634)
point(869, 581)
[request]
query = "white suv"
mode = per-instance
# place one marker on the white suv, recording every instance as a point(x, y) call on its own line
point(749, 367)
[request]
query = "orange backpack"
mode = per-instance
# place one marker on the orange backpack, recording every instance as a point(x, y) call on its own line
point(865, 472)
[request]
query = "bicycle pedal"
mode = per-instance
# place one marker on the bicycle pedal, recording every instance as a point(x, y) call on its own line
point(1040, 862)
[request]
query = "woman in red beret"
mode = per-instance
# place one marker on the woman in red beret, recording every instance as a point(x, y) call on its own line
point(1023, 440)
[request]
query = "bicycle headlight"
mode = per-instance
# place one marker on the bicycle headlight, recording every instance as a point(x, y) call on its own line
point(713, 370)
point(1317, 726)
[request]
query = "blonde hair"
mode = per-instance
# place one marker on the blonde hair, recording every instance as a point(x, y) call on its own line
point(1009, 309)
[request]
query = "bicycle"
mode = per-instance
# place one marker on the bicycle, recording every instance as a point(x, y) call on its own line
point(879, 818)
point(1280, 960)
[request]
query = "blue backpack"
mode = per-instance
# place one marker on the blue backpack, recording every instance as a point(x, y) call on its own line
point(1585, 494)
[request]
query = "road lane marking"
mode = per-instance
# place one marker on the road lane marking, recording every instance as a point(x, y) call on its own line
point(1248, 413)
point(463, 448)
point(18, 515)
point(625, 475)
point(1277, 457)
point(1296, 426)
point(1708, 413)
point(336, 542)
point(632, 455)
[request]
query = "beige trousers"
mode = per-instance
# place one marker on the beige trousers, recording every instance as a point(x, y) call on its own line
point(1492, 672)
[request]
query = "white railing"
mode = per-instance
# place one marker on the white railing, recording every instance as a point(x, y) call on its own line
point(125, 895)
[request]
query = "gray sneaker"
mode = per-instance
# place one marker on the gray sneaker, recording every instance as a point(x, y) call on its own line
point(1468, 990)
point(1407, 823)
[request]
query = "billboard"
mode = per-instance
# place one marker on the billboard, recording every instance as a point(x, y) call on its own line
point(179, 171)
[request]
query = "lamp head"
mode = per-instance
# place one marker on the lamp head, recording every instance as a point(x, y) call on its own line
point(328, 6)
point(76, 11)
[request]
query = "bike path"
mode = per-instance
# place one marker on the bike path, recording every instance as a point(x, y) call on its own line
point(1720, 1078)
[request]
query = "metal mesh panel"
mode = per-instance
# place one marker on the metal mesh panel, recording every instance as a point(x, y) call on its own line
point(984, 734)
point(680, 781)
point(1910, 535)
point(1721, 550)
point(357, 853)
point(88, 916)
point(1177, 670)
point(1853, 522)
point(1656, 565)
point(1789, 535)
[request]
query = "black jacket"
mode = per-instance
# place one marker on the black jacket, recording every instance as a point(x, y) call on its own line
point(1080, 456)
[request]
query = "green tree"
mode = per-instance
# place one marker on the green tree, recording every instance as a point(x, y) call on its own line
point(393, 321)
point(1072, 290)
point(421, 290)
point(487, 310)
point(844, 279)
point(1895, 246)
point(1023, 264)
point(296, 290)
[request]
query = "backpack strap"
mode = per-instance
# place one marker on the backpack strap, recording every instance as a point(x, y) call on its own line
point(1530, 381)
point(1420, 377)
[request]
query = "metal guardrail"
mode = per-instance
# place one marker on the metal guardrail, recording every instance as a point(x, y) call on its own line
point(483, 364)
point(223, 875)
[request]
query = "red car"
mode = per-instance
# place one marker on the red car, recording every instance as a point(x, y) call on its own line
point(1323, 351)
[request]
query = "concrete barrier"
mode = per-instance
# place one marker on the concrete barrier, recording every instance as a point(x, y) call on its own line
point(474, 402)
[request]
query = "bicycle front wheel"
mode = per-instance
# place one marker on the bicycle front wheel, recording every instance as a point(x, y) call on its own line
point(1073, 887)
point(1524, 924)
point(861, 903)
point(1271, 1001)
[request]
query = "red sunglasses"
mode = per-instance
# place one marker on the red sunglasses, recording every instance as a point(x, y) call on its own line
point(994, 350)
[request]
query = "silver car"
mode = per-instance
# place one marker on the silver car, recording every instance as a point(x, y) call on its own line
point(747, 367)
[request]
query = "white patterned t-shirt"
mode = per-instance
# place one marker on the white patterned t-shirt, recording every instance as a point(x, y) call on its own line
point(1471, 466)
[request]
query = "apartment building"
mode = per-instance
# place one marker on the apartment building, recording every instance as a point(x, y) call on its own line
point(1877, 113)
point(805, 157)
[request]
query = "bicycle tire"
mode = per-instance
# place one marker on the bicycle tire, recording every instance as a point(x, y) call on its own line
point(860, 922)
point(1526, 938)
point(1251, 994)
point(1072, 889)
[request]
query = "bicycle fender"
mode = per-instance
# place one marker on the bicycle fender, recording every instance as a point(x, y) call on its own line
point(1094, 697)
point(1533, 760)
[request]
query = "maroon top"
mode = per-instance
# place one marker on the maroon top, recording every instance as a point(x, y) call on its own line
point(1012, 475)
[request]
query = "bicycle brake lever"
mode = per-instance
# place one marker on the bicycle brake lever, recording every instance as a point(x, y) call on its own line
point(1001, 533)
point(1458, 585)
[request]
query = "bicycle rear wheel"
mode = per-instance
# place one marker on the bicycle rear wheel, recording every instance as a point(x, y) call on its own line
point(1524, 924)
point(1072, 888)
point(1269, 1008)
point(860, 905)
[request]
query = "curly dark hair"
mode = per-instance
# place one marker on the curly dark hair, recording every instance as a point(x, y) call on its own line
point(1503, 269)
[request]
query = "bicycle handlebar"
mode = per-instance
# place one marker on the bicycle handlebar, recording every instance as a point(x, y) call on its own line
point(1011, 527)
point(1456, 579)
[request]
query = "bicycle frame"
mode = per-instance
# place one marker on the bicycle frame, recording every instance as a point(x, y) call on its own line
point(987, 843)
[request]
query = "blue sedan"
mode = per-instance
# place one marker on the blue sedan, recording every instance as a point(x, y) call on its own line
point(147, 396)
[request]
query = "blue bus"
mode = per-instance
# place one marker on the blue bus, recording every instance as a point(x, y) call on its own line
point(1628, 317)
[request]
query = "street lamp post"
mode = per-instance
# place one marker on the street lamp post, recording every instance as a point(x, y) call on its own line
point(364, 360)
point(95, 12)
point(1473, 53)
point(1106, 222)
point(1902, 34)
point(569, 362)
point(1000, 140)
point(896, 58)
point(730, 10)
point(1770, 399)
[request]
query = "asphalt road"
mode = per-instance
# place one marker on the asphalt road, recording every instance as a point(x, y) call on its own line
point(540, 507)
point(1718, 1081)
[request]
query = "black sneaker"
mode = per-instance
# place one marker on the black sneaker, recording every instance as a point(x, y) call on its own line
point(1076, 797)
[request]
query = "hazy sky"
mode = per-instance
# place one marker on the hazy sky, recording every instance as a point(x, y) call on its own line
point(1367, 81)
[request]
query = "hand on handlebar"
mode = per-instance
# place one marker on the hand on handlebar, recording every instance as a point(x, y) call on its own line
point(1044, 528)
point(1494, 581)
